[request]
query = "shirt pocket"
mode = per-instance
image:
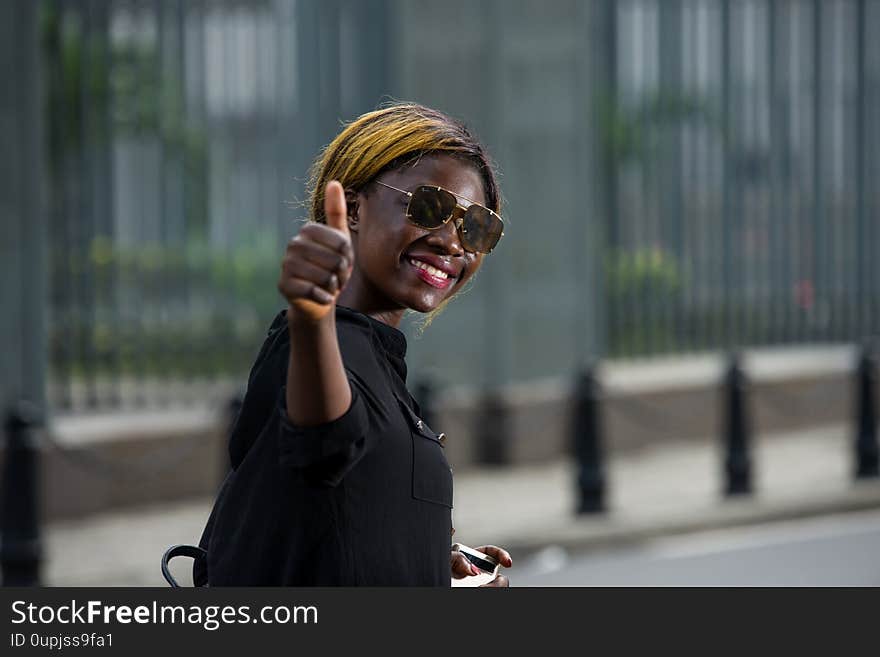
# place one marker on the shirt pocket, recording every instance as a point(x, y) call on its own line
point(431, 474)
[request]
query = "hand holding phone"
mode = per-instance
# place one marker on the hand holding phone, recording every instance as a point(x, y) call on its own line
point(488, 567)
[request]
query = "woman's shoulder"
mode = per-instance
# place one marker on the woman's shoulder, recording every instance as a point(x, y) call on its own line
point(349, 320)
point(354, 331)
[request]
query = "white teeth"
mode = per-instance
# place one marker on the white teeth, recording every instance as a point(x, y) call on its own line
point(428, 268)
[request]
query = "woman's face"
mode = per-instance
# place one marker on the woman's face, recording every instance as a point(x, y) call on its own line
point(392, 254)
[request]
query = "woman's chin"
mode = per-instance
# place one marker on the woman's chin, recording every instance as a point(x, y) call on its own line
point(424, 299)
point(425, 303)
point(423, 307)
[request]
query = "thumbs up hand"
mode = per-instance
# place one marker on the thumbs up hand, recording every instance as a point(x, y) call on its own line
point(318, 261)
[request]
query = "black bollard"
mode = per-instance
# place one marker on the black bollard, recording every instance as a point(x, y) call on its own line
point(587, 442)
point(21, 548)
point(867, 455)
point(426, 399)
point(492, 435)
point(737, 430)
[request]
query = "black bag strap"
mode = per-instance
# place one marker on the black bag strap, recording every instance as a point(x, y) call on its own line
point(192, 551)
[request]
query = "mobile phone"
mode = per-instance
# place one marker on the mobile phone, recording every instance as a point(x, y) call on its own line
point(482, 561)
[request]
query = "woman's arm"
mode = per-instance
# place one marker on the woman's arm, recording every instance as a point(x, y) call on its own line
point(316, 266)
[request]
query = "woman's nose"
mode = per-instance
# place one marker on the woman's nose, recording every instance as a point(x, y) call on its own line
point(447, 237)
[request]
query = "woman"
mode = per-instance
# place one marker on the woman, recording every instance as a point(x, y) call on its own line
point(335, 478)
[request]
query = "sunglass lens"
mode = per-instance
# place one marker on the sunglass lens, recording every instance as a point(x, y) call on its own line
point(429, 207)
point(481, 229)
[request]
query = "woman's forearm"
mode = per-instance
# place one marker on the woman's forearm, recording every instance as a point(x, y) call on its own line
point(317, 386)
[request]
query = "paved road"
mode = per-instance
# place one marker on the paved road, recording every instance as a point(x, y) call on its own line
point(842, 550)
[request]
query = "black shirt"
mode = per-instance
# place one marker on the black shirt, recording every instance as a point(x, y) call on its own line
point(363, 500)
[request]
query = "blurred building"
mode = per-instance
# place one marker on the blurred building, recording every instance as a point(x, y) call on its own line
point(679, 175)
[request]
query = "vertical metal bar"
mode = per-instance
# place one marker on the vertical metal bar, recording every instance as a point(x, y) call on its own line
point(670, 174)
point(71, 33)
point(492, 427)
point(704, 309)
point(757, 269)
point(871, 146)
point(591, 316)
point(785, 169)
point(727, 336)
point(836, 219)
point(74, 209)
point(375, 51)
point(691, 183)
point(803, 270)
point(182, 355)
point(59, 344)
point(281, 113)
point(309, 72)
point(85, 206)
point(32, 213)
point(498, 309)
point(819, 233)
point(222, 126)
point(90, 95)
point(103, 191)
point(773, 307)
point(607, 103)
point(748, 161)
point(22, 289)
point(199, 212)
point(641, 318)
point(700, 214)
point(863, 253)
point(160, 289)
point(139, 281)
point(23, 250)
point(329, 90)
point(162, 357)
point(289, 160)
point(703, 295)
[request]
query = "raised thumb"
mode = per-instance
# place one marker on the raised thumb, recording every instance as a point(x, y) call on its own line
point(335, 209)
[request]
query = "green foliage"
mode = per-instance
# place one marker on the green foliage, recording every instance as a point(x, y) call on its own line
point(163, 310)
point(98, 88)
point(642, 286)
point(149, 308)
point(642, 272)
point(633, 133)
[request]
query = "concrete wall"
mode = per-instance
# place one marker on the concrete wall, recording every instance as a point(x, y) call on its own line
point(120, 460)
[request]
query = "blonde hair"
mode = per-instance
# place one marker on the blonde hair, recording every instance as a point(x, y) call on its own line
point(391, 137)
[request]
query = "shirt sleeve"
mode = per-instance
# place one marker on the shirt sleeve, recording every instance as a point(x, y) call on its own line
point(326, 452)
point(303, 446)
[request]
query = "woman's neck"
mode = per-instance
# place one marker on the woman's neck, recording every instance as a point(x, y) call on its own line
point(359, 295)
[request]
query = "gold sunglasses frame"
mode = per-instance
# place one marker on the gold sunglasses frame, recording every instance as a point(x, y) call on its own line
point(460, 220)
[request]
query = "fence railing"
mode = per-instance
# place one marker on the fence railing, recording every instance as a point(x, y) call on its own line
point(695, 174)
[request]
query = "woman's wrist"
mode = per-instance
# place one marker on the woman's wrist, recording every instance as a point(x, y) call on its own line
point(299, 321)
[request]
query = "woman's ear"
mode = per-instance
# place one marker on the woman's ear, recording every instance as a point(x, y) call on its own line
point(351, 204)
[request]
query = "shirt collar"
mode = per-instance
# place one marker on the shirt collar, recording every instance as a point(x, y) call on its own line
point(392, 340)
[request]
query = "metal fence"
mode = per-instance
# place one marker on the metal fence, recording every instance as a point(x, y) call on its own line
point(179, 134)
point(679, 175)
point(740, 205)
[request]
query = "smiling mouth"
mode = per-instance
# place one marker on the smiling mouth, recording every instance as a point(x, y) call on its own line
point(431, 275)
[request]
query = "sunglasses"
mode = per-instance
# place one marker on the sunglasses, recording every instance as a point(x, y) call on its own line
point(479, 229)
